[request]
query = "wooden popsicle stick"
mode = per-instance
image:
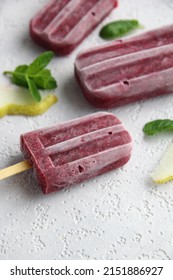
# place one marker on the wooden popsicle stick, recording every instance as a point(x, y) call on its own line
point(14, 169)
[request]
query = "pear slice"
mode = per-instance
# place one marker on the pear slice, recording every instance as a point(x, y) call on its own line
point(18, 101)
point(164, 171)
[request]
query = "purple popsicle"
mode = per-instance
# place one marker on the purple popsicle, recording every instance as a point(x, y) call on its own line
point(62, 24)
point(74, 151)
point(127, 70)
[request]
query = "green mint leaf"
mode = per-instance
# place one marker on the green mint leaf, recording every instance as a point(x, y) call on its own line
point(40, 63)
point(19, 79)
point(118, 28)
point(44, 80)
point(21, 69)
point(34, 76)
point(154, 127)
point(33, 89)
point(18, 75)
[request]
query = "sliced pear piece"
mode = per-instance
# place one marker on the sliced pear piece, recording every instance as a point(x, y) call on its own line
point(164, 171)
point(18, 101)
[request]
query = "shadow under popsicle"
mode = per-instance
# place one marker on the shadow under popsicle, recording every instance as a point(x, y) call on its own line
point(72, 96)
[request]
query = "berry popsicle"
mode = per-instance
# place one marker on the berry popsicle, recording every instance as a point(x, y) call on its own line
point(62, 24)
point(76, 150)
point(128, 70)
point(71, 152)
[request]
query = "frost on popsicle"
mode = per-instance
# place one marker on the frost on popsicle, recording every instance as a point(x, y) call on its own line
point(128, 70)
point(62, 25)
point(71, 152)
point(17, 101)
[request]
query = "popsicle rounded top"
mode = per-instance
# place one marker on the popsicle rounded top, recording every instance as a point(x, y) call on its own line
point(127, 70)
point(61, 25)
point(74, 151)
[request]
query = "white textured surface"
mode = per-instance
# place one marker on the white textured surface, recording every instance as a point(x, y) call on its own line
point(120, 215)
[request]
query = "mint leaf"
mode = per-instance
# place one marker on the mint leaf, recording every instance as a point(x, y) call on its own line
point(21, 68)
point(116, 29)
point(154, 127)
point(33, 89)
point(19, 79)
point(40, 62)
point(34, 76)
point(44, 80)
point(18, 75)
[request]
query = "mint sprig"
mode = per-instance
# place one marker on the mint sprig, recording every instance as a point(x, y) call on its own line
point(34, 76)
point(33, 89)
point(154, 127)
point(118, 28)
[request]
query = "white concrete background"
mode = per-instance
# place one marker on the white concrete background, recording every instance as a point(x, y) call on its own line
point(119, 215)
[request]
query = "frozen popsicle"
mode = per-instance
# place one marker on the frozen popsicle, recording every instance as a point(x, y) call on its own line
point(127, 70)
point(71, 152)
point(62, 24)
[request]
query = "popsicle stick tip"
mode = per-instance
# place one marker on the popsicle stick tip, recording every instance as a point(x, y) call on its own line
point(14, 169)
